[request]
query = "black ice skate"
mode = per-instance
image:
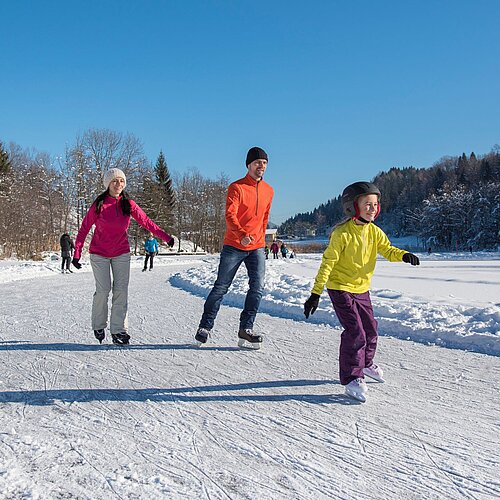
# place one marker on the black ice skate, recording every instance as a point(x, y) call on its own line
point(201, 336)
point(99, 335)
point(248, 339)
point(121, 338)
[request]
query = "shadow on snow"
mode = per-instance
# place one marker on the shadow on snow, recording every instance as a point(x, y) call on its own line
point(14, 345)
point(198, 394)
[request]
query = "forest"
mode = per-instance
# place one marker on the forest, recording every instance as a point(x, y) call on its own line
point(455, 204)
point(42, 197)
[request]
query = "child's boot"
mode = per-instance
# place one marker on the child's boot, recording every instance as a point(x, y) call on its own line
point(375, 372)
point(357, 389)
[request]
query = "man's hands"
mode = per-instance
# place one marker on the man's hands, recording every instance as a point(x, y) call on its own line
point(246, 240)
point(311, 304)
point(409, 258)
point(76, 263)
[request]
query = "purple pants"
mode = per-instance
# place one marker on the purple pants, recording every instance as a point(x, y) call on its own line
point(358, 342)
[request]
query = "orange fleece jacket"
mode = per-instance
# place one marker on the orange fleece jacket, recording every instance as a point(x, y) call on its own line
point(248, 204)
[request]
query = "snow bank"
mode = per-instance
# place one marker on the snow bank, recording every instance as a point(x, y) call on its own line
point(399, 315)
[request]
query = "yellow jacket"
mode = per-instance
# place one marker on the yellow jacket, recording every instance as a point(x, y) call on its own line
point(349, 260)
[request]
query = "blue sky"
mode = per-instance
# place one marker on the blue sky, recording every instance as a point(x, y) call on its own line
point(335, 91)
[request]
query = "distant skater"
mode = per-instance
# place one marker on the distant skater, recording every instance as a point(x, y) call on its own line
point(151, 249)
point(284, 250)
point(275, 249)
point(110, 253)
point(248, 204)
point(347, 267)
point(67, 247)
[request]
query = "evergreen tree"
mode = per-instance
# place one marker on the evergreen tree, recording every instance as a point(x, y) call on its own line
point(160, 195)
point(5, 165)
point(5, 171)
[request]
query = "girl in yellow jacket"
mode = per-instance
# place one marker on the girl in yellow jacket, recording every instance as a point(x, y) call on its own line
point(346, 270)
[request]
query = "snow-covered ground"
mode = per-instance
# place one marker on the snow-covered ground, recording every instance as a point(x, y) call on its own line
point(163, 419)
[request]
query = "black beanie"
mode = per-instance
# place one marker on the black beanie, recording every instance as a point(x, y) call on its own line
point(256, 153)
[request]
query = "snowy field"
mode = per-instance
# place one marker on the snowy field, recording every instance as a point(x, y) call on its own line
point(161, 419)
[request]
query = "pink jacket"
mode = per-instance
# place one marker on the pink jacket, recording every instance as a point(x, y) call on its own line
point(110, 235)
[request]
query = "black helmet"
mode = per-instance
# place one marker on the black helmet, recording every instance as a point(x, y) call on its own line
point(352, 192)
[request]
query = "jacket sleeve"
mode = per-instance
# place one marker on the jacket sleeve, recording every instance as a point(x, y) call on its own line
point(330, 258)
point(384, 248)
point(232, 206)
point(143, 220)
point(88, 221)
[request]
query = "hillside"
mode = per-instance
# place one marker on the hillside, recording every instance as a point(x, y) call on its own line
point(462, 191)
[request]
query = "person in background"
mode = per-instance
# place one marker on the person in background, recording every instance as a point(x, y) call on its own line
point(347, 267)
point(67, 247)
point(151, 249)
point(248, 204)
point(110, 253)
point(284, 250)
point(266, 251)
point(275, 249)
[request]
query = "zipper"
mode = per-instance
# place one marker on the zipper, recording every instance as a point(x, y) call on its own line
point(257, 203)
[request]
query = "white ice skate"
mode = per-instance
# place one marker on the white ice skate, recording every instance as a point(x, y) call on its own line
point(374, 372)
point(357, 389)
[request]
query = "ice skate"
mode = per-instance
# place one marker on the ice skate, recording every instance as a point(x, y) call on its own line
point(374, 372)
point(248, 339)
point(357, 389)
point(201, 336)
point(121, 338)
point(99, 335)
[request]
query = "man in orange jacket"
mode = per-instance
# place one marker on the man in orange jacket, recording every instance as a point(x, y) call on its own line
point(248, 205)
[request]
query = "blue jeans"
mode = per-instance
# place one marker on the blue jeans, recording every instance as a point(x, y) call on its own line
point(230, 261)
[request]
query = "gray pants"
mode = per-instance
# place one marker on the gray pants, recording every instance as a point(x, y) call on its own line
point(120, 266)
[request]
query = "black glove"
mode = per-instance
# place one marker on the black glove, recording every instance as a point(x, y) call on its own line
point(409, 258)
point(311, 304)
point(76, 263)
point(171, 242)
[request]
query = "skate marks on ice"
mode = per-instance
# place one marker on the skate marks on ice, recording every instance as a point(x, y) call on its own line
point(223, 393)
point(225, 423)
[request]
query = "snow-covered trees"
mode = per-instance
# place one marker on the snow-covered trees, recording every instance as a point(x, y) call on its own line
point(463, 217)
point(31, 204)
point(42, 197)
point(455, 202)
point(200, 209)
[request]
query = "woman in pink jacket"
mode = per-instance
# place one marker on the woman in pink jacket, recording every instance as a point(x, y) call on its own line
point(110, 250)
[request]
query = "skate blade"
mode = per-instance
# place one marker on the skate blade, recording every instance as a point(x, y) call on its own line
point(377, 379)
point(244, 344)
point(357, 397)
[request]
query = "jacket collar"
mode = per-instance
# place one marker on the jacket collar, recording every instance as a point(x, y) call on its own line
point(250, 180)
